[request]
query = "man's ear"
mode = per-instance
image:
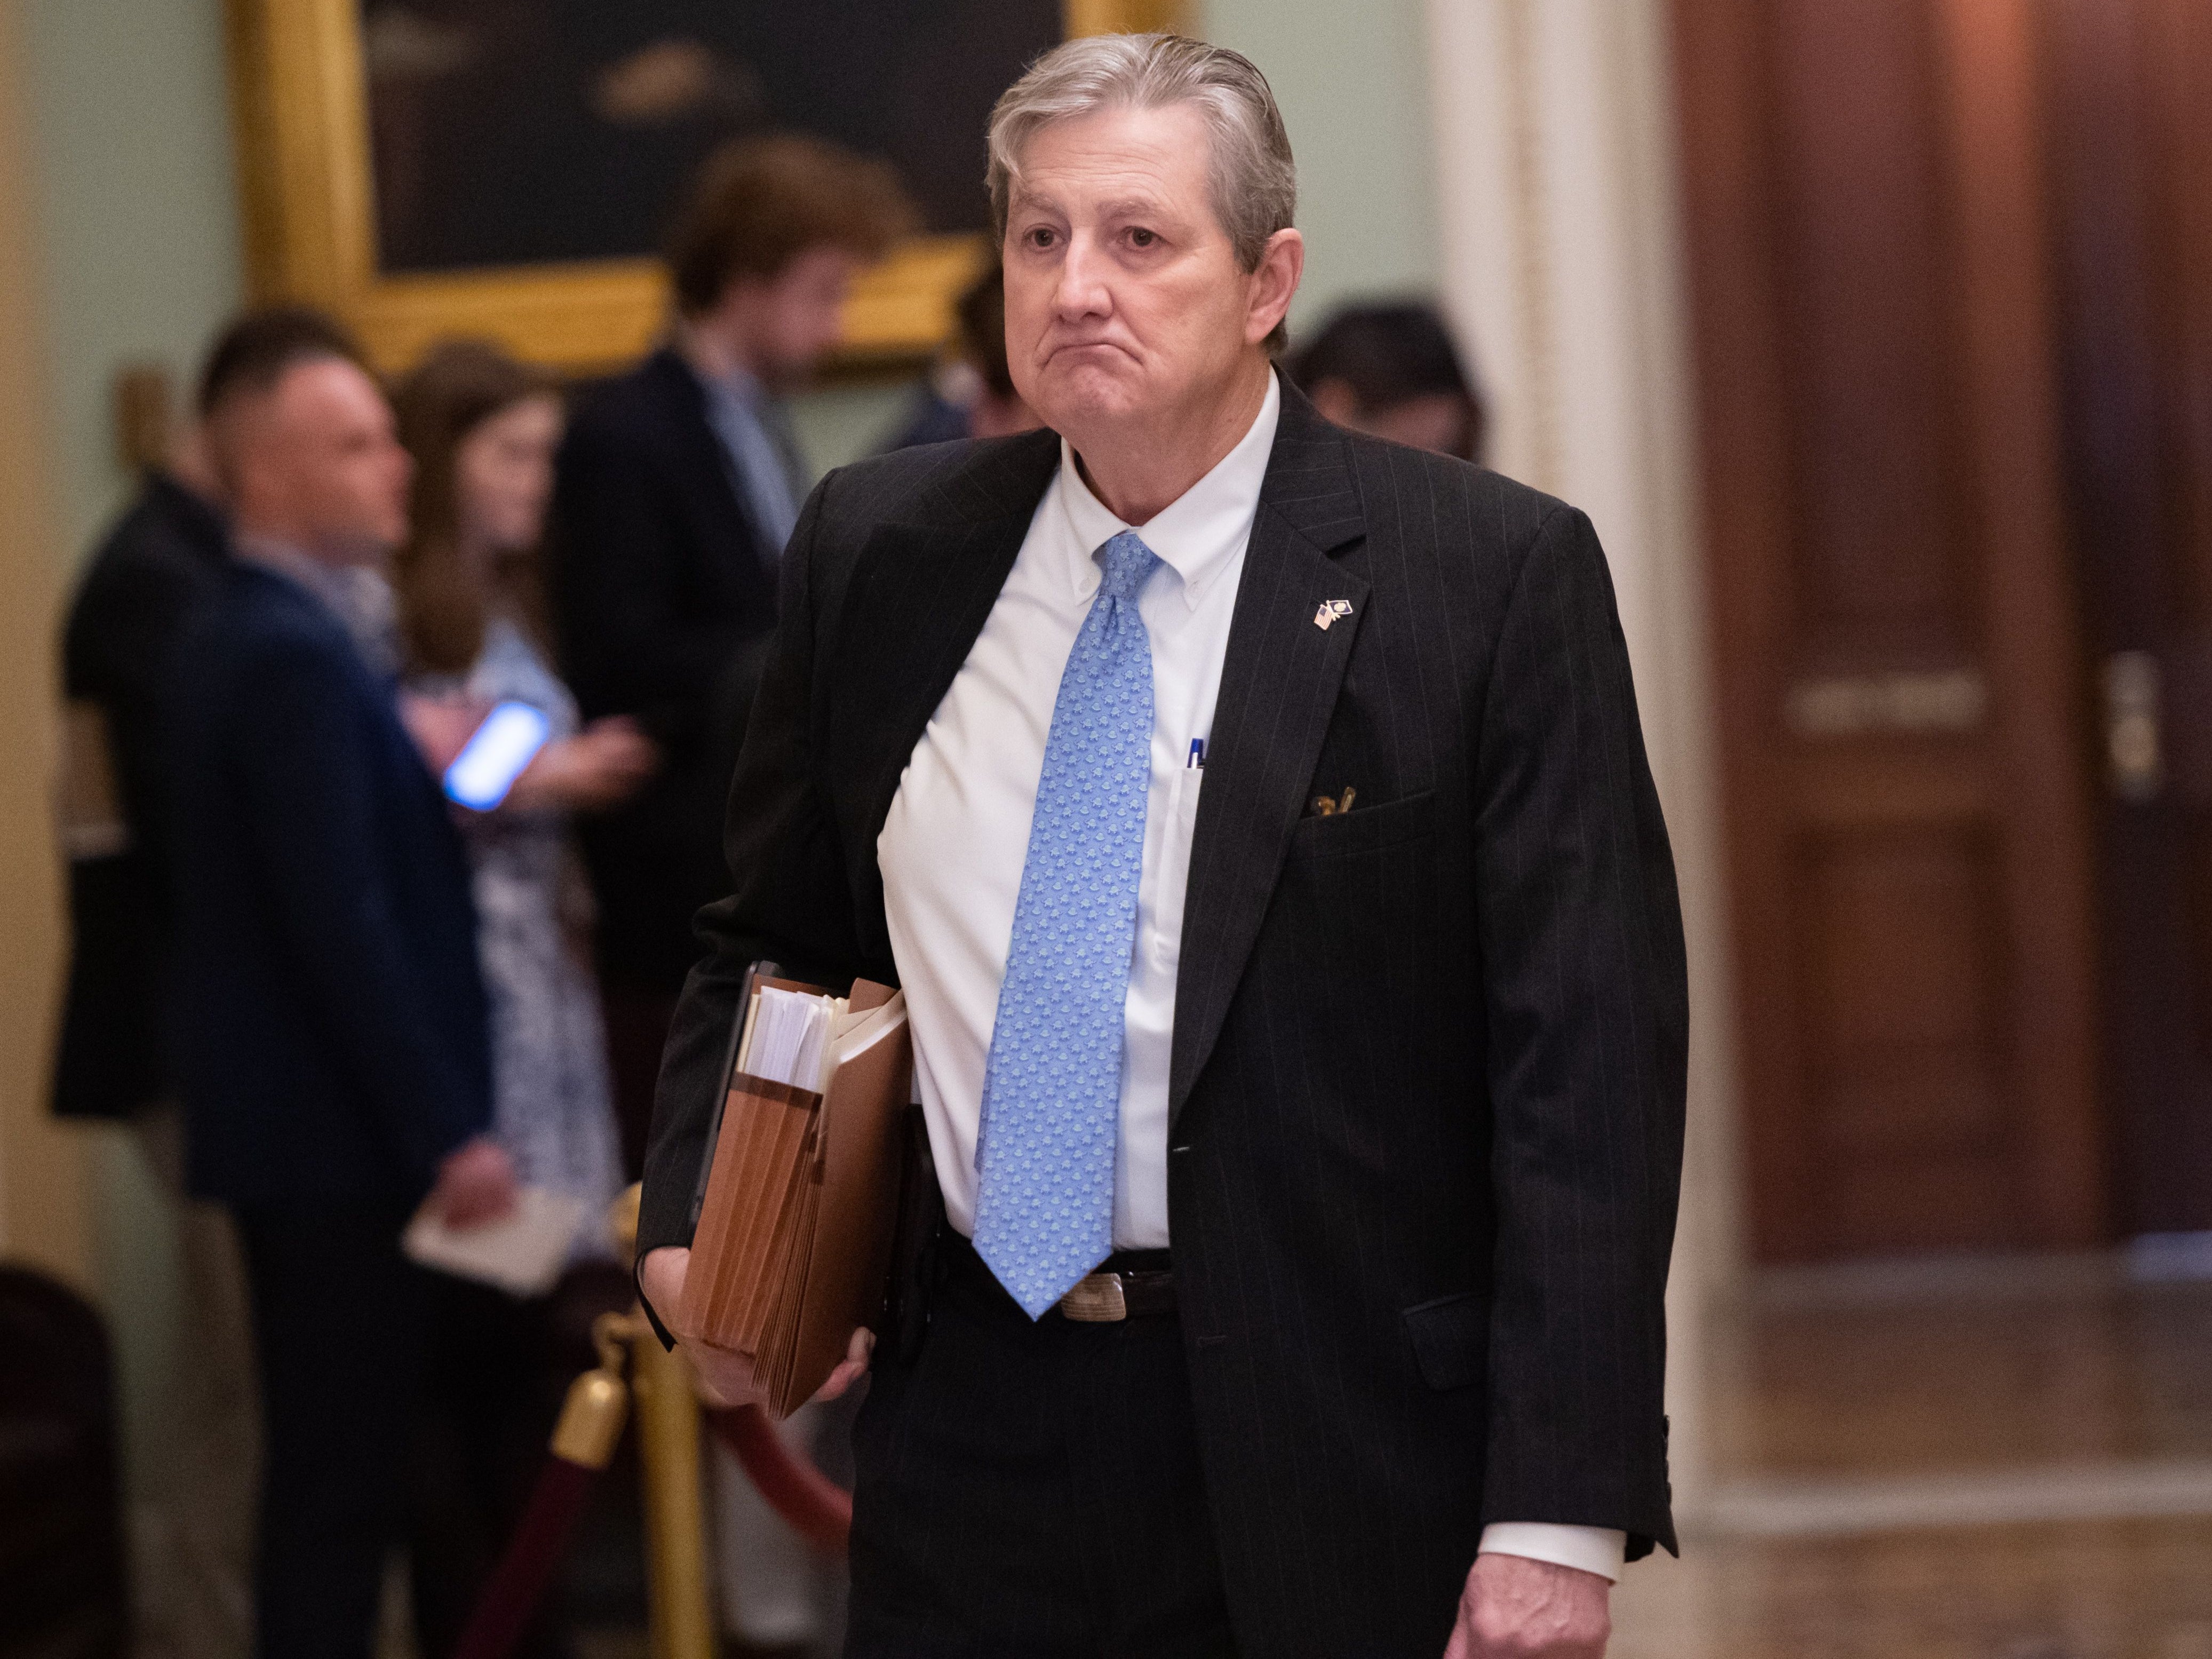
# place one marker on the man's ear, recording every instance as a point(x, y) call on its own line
point(1274, 283)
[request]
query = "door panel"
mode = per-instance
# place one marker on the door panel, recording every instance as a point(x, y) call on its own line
point(2130, 87)
point(1862, 266)
point(1901, 743)
point(1905, 1067)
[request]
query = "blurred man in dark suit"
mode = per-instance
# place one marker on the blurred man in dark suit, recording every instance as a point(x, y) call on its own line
point(166, 554)
point(679, 483)
point(332, 1042)
point(156, 564)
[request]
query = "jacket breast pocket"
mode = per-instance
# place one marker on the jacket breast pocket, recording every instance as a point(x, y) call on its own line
point(1365, 830)
point(1451, 1340)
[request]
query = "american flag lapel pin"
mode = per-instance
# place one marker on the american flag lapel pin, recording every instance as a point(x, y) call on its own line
point(1331, 611)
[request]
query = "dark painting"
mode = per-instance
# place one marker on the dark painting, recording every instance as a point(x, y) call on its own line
point(510, 132)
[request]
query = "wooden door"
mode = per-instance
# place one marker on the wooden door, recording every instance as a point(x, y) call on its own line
point(2130, 87)
point(1901, 742)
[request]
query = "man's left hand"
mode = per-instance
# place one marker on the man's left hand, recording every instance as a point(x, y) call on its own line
point(1516, 1608)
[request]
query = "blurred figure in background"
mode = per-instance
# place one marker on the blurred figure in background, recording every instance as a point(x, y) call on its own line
point(155, 565)
point(678, 484)
point(971, 393)
point(1392, 370)
point(334, 1052)
point(193, 1529)
point(481, 429)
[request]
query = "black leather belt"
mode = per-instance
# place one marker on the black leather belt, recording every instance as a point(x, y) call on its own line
point(1127, 1284)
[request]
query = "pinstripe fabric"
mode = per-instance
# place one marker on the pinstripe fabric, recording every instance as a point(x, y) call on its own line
point(1000, 1510)
point(1428, 1073)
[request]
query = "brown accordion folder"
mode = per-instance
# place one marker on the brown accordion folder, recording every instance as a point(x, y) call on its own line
point(793, 1247)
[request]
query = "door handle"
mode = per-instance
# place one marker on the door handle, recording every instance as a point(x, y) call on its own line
point(2134, 756)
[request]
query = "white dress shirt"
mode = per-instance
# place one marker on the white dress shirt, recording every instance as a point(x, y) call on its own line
point(952, 848)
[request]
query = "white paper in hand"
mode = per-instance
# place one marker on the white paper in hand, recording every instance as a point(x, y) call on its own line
point(522, 1253)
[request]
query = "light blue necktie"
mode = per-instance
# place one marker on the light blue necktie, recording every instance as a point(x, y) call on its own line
point(1052, 1090)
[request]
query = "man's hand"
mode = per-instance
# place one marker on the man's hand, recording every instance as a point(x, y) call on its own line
point(476, 1184)
point(725, 1374)
point(1516, 1608)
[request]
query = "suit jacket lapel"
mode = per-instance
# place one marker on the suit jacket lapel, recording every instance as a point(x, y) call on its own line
point(1278, 685)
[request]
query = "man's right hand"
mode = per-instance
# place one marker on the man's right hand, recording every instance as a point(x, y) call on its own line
point(725, 1374)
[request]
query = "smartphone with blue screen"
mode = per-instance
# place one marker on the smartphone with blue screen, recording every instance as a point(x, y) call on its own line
point(496, 754)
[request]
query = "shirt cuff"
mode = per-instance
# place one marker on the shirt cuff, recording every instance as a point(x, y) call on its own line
point(1600, 1550)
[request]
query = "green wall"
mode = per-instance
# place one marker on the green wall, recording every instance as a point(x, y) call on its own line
point(137, 209)
point(1352, 84)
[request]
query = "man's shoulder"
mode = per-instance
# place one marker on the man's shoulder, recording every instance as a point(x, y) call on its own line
point(968, 481)
point(639, 404)
point(1488, 503)
point(161, 539)
point(152, 567)
point(257, 622)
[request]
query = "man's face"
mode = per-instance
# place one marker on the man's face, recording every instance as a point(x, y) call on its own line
point(318, 464)
point(1124, 299)
point(794, 318)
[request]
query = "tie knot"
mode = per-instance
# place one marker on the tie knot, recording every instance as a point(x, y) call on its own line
point(1126, 561)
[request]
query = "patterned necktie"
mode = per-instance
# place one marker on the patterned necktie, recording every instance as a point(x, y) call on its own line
point(1052, 1089)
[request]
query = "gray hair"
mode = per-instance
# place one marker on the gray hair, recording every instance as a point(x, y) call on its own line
point(1255, 183)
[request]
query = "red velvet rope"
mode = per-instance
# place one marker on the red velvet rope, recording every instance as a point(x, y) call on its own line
point(510, 1601)
point(810, 1504)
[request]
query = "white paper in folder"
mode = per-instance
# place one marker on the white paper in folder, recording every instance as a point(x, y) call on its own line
point(785, 1035)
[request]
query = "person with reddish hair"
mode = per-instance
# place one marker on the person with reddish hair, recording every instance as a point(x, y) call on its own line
point(678, 484)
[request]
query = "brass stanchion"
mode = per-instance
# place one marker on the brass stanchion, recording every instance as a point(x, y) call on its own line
point(679, 1609)
point(675, 1505)
point(680, 1614)
point(583, 1445)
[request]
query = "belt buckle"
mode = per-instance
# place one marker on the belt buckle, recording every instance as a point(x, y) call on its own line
point(1096, 1300)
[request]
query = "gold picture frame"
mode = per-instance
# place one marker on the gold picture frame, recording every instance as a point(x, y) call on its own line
point(302, 119)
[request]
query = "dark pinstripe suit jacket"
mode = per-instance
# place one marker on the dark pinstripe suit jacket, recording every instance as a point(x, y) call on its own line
point(1427, 1083)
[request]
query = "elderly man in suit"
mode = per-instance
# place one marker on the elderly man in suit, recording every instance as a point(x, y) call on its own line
point(1256, 815)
